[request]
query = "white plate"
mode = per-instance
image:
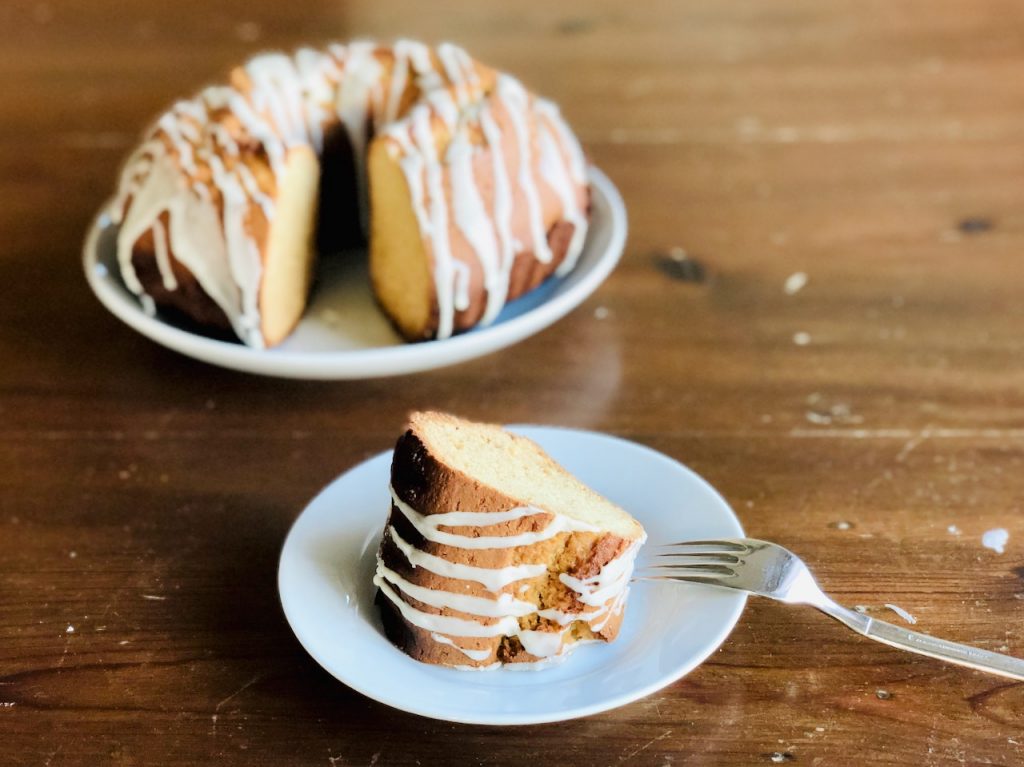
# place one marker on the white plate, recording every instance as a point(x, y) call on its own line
point(344, 334)
point(326, 589)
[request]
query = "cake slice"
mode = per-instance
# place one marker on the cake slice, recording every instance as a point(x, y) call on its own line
point(216, 229)
point(471, 208)
point(493, 553)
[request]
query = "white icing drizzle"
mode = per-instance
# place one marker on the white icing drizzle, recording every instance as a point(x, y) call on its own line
point(474, 223)
point(498, 288)
point(219, 98)
point(516, 102)
point(605, 592)
point(465, 61)
point(613, 610)
point(219, 251)
point(436, 218)
point(315, 70)
point(459, 69)
point(444, 624)
point(408, 54)
point(453, 70)
point(224, 139)
point(499, 607)
point(492, 579)
point(444, 107)
point(427, 78)
point(173, 128)
point(555, 173)
point(188, 125)
point(477, 655)
point(193, 110)
point(163, 257)
point(198, 233)
point(460, 286)
point(277, 90)
point(252, 188)
point(611, 581)
point(577, 162)
point(491, 242)
point(285, 101)
point(481, 518)
point(563, 618)
point(399, 78)
point(542, 644)
point(427, 526)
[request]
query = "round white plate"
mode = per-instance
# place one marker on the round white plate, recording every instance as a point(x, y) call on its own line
point(327, 593)
point(344, 334)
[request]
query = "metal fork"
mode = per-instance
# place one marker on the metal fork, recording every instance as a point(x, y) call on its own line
point(769, 570)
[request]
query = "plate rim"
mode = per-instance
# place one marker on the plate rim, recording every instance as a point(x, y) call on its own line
point(519, 719)
point(361, 363)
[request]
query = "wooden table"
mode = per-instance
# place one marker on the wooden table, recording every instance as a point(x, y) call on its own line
point(872, 420)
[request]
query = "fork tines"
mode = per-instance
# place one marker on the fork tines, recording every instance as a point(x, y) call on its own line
point(702, 561)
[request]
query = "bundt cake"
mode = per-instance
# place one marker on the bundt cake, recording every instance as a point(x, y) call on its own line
point(493, 554)
point(470, 189)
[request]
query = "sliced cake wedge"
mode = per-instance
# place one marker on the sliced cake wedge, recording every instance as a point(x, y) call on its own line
point(493, 553)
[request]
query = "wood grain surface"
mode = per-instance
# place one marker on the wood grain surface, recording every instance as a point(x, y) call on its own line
point(873, 420)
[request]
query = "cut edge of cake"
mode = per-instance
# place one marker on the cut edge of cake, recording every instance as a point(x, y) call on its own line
point(289, 254)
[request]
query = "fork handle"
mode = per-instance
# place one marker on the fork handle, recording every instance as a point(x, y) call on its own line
point(922, 644)
point(951, 652)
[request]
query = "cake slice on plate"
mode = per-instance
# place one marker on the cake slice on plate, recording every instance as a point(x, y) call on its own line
point(493, 553)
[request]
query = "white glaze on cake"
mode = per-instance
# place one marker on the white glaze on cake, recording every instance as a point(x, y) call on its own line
point(463, 207)
point(428, 526)
point(601, 597)
point(193, 173)
point(493, 579)
point(516, 102)
point(477, 655)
